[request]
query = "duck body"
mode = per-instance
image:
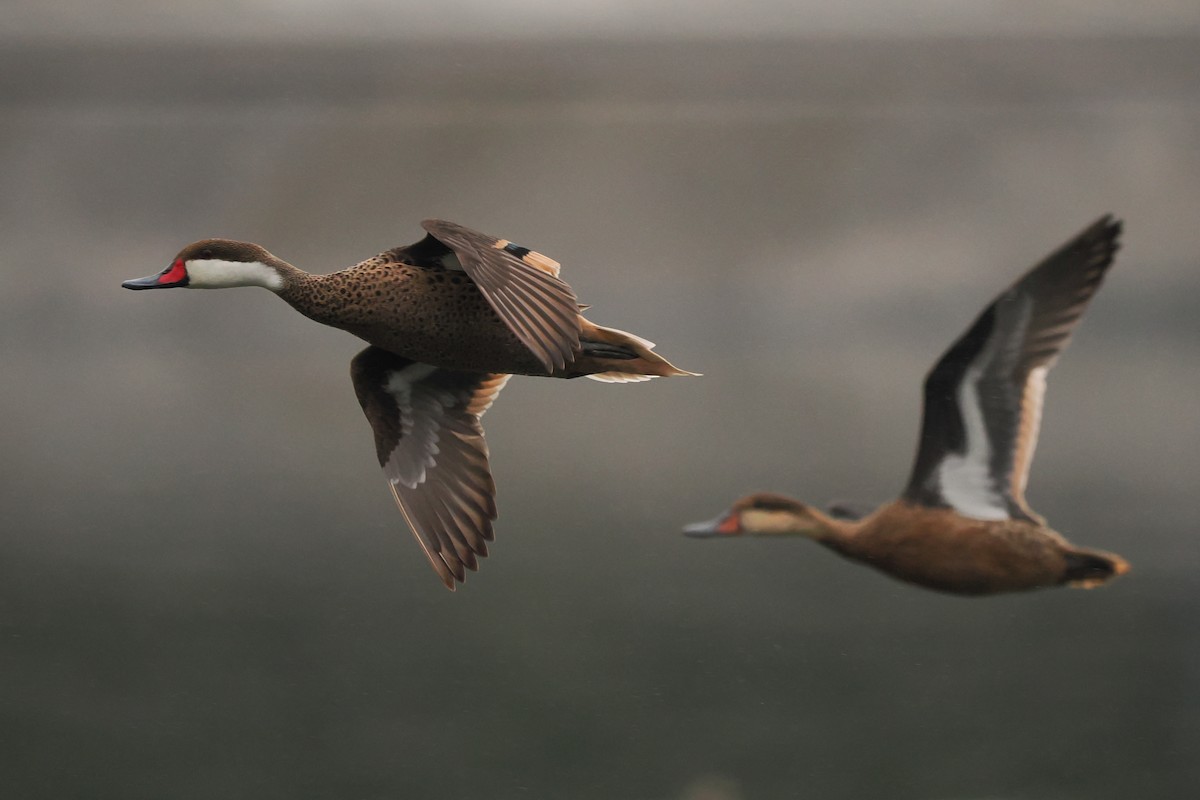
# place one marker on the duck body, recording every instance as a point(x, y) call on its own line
point(429, 315)
point(436, 315)
point(962, 524)
point(940, 549)
point(448, 319)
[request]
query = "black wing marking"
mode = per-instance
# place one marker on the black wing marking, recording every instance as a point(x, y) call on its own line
point(522, 287)
point(431, 446)
point(983, 398)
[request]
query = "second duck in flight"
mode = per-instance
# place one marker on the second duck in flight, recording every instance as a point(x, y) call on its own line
point(962, 524)
point(448, 318)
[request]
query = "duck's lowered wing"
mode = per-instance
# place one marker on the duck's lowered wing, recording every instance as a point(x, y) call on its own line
point(430, 443)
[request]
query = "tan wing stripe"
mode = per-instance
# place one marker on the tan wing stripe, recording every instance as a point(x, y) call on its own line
point(486, 394)
point(533, 258)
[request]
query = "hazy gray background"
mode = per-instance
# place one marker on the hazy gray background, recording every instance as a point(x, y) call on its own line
point(205, 590)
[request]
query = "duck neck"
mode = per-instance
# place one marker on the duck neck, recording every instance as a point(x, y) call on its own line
point(294, 280)
point(801, 520)
point(836, 534)
point(302, 291)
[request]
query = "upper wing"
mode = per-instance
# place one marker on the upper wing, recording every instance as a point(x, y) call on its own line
point(522, 287)
point(983, 399)
point(431, 447)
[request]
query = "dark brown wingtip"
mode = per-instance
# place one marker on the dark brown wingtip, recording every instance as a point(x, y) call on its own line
point(446, 577)
point(1110, 221)
point(439, 567)
point(459, 570)
point(1106, 232)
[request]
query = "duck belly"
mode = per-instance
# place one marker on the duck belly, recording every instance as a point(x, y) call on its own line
point(962, 556)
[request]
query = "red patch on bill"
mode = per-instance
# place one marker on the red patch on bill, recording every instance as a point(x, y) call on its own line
point(175, 274)
point(731, 524)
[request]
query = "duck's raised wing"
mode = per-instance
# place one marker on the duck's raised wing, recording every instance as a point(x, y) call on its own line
point(521, 286)
point(983, 399)
point(431, 446)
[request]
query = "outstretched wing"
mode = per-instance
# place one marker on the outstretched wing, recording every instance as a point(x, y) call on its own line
point(431, 446)
point(983, 399)
point(521, 286)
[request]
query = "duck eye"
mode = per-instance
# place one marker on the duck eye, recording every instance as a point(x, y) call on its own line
point(206, 253)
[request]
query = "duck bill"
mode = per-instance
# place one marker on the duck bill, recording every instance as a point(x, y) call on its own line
point(721, 525)
point(172, 276)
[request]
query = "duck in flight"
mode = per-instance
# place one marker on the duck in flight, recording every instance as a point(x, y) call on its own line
point(448, 320)
point(962, 524)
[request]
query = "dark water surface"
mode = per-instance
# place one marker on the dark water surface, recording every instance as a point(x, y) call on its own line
point(205, 591)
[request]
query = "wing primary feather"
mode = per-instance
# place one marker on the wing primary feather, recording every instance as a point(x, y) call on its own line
point(538, 303)
point(552, 331)
point(530, 336)
point(435, 560)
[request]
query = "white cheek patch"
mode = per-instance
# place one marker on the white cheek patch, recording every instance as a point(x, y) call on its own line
point(758, 521)
point(216, 273)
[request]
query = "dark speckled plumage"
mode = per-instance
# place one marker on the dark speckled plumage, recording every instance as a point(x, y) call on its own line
point(448, 319)
point(435, 316)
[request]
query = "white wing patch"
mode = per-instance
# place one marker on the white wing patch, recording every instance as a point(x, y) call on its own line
point(400, 385)
point(966, 481)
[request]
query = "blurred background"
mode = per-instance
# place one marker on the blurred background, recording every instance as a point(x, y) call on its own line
point(205, 589)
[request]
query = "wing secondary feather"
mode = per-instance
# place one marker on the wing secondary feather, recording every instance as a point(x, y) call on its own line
point(522, 287)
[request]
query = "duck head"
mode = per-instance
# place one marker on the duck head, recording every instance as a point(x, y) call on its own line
point(763, 514)
point(216, 264)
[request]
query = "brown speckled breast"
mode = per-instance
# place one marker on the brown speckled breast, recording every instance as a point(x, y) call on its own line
point(435, 316)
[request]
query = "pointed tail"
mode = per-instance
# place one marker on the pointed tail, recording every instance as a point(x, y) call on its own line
point(1087, 569)
point(614, 356)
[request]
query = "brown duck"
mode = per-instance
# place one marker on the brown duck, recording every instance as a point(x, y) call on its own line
point(962, 524)
point(448, 318)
